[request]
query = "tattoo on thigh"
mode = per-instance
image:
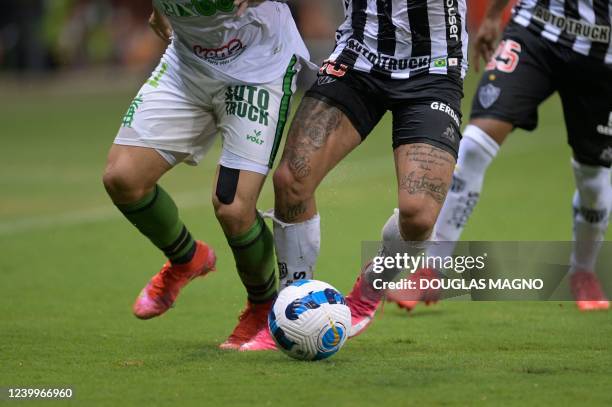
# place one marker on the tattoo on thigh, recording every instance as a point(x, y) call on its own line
point(429, 157)
point(429, 167)
point(314, 122)
point(416, 184)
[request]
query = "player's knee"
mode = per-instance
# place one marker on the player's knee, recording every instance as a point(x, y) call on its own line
point(235, 217)
point(282, 180)
point(593, 196)
point(416, 221)
point(593, 186)
point(123, 187)
point(289, 189)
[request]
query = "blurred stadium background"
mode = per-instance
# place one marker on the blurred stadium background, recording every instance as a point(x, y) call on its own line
point(70, 266)
point(42, 36)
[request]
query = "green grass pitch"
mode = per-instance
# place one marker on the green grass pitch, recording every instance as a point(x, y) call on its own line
point(70, 268)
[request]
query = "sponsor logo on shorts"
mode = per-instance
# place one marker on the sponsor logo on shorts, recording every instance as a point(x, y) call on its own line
point(593, 32)
point(606, 130)
point(222, 55)
point(443, 107)
point(488, 94)
point(250, 102)
point(128, 119)
point(255, 138)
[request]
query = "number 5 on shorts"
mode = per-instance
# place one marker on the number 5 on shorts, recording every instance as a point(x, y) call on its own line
point(506, 57)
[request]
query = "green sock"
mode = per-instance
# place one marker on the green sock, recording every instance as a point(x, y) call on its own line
point(156, 217)
point(254, 255)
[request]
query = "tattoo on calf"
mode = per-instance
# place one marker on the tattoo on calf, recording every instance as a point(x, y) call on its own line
point(314, 122)
point(292, 212)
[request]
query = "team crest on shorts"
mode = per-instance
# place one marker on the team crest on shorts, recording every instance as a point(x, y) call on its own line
point(488, 94)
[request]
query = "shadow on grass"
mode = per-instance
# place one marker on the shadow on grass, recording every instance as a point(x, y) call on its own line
point(265, 360)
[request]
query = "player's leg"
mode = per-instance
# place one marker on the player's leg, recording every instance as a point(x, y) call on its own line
point(160, 130)
point(426, 138)
point(337, 113)
point(130, 178)
point(422, 187)
point(591, 202)
point(252, 119)
point(515, 82)
point(588, 114)
point(320, 136)
point(481, 141)
point(234, 199)
point(332, 119)
point(426, 141)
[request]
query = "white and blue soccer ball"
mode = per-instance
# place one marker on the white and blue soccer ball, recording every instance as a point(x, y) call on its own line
point(310, 320)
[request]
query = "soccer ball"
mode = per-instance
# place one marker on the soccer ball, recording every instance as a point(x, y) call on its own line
point(309, 320)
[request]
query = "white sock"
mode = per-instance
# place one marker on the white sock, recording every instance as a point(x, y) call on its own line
point(391, 233)
point(392, 243)
point(592, 203)
point(476, 151)
point(297, 248)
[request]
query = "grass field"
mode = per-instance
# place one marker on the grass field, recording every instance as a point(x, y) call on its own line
point(71, 267)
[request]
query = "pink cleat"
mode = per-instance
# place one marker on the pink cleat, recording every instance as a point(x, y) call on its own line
point(587, 292)
point(161, 291)
point(362, 308)
point(253, 319)
point(409, 299)
point(262, 341)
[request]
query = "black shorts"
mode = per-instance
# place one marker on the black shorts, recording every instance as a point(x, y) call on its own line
point(527, 69)
point(426, 109)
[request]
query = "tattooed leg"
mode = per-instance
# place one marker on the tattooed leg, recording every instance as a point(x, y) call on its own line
point(424, 174)
point(319, 138)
